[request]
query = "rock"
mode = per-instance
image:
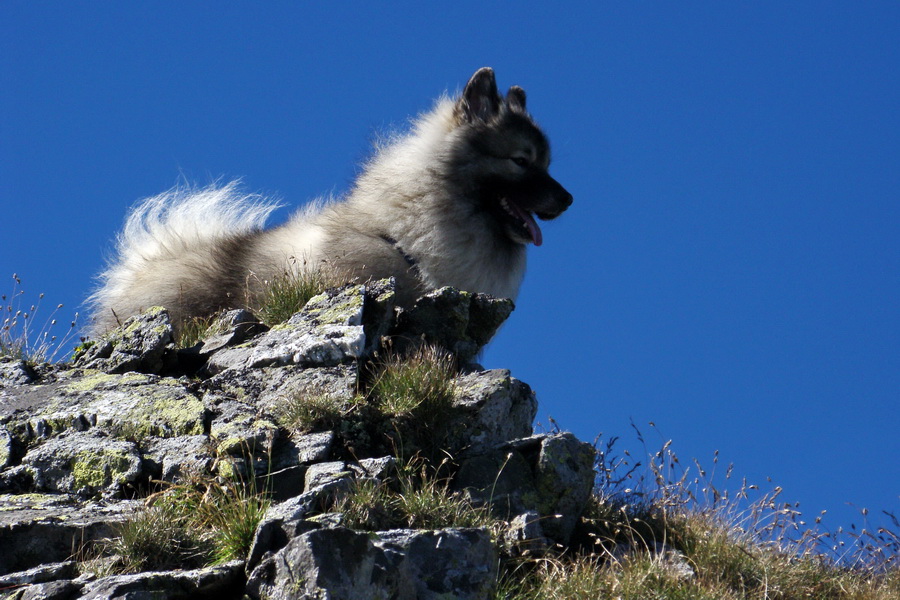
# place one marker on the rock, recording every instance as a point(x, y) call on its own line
point(139, 344)
point(378, 312)
point(461, 322)
point(50, 528)
point(17, 480)
point(280, 408)
point(84, 464)
point(131, 405)
point(52, 590)
point(170, 459)
point(6, 448)
point(324, 473)
point(14, 372)
point(376, 468)
point(211, 582)
point(327, 331)
point(41, 574)
point(313, 447)
point(230, 329)
point(495, 408)
point(524, 536)
point(403, 564)
point(270, 389)
point(564, 477)
point(551, 475)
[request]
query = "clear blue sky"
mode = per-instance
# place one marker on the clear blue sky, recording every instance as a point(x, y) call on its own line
point(730, 269)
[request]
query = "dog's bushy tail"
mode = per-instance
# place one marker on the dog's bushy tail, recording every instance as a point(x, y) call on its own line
point(186, 215)
point(168, 238)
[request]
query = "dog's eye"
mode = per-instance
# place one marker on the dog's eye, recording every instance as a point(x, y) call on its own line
point(519, 160)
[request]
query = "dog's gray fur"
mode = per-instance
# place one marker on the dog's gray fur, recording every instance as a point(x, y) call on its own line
point(449, 203)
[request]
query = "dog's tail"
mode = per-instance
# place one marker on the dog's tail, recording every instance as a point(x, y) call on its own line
point(170, 240)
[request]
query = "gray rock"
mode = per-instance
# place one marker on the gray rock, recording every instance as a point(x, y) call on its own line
point(313, 447)
point(564, 477)
point(342, 564)
point(50, 528)
point(17, 480)
point(210, 582)
point(495, 408)
point(6, 448)
point(239, 429)
point(138, 345)
point(524, 536)
point(324, 473)
point(461, 322)
point(326, 332)
point(230, 329)
point(41, 574)
point(376, 468)
point(286, 520)
point(14, 372)
point(378, 312)
point(549, 474)
point(269, 389)
point(170, 459)
point(84, 464)
point(132, 405)
point(52, 590)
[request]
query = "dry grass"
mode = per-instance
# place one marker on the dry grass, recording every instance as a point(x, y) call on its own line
point(661, 530)
point(200, 522)
point(20, 335)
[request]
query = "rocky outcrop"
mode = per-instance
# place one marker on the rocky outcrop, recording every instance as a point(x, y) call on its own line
point(82, 445)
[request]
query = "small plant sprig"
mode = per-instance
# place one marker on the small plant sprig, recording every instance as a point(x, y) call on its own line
point(20, 337)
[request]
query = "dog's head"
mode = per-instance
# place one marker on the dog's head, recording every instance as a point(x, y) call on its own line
point(506, 156)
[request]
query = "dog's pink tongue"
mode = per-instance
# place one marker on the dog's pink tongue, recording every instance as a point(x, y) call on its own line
point(533, 229)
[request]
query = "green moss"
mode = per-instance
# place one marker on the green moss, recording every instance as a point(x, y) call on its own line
point(98, 468)
point(182, 415)
point(336, 314)
point(99, 380)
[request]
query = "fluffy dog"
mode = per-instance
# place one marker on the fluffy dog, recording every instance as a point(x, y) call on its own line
point(451, 203)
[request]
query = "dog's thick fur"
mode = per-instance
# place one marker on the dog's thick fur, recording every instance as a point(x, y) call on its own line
point(450, 203)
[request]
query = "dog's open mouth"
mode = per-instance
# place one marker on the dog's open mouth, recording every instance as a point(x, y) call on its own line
point(524, 219)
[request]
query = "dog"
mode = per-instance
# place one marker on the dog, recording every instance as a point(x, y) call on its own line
point(450, 203)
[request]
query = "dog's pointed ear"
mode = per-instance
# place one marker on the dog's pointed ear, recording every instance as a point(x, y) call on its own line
point(515, 99)
point(480, 101)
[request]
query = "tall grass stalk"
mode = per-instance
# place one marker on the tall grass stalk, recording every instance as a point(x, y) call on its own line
point(20, 336)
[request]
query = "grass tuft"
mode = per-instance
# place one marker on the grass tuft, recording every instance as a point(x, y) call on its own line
point(194, 329)
point(419, 384)
point(285, 294)
point(417, 498)
point(304, 412)
point(21, 338)
point(194, 524)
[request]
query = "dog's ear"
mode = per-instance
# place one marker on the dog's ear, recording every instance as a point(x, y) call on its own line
point(480, 100)
point(515, 99)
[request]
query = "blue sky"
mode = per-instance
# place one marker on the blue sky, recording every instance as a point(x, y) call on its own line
point(729, 269)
